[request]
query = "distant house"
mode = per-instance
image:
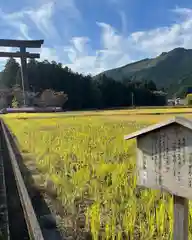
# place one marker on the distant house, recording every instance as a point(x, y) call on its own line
point(176, 101)
point(160, 93)
point(170, 102)
point(182, 101)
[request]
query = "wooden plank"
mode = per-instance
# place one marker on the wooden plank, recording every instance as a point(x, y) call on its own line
point(180, 225)
point(19, 55)
point(21, 43)
point(164, 160)
point(3, 197)
point(30, 216)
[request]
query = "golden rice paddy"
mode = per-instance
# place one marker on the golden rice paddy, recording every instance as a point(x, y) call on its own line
point(92, 166)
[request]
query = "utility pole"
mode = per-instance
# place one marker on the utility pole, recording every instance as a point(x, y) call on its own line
point(132, 99)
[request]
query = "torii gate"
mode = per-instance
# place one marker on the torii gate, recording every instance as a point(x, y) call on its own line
point(23, 55)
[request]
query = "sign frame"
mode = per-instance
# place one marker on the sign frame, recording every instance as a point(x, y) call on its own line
point(180, 200)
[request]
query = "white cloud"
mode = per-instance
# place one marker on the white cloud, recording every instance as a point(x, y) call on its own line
point(14, 20)
point(24, 31)
point(117, 47)
point(80, 44)
point(41, 13)
point(43, 19)
point(43, 16)
point(2, 59)
point(70, 8)
point(49, 54)
point(83, 61)
point(4, 49)
point(183, 11)
point(123, 21)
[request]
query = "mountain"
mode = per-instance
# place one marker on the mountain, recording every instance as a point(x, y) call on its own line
point(168, 70)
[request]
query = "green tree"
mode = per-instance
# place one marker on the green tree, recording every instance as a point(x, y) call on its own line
point(15, 103)
point(189, 99)
point(8, 76)
point(83, 92)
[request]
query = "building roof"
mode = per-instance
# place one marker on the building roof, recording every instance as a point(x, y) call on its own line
point(160, 93)
point(179, 120)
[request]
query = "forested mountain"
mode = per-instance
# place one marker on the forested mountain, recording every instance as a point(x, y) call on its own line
point(171, 70)
point(83, 92)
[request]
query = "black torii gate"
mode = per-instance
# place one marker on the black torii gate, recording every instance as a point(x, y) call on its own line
point(23, 55)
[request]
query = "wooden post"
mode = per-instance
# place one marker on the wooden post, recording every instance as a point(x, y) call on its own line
point(24, 73)
point(180, 225)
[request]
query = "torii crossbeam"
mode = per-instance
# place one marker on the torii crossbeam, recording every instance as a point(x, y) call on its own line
point(23, 55)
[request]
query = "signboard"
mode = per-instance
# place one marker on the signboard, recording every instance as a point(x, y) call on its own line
point(164, 160)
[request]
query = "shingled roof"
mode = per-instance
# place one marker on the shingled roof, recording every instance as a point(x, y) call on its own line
point(179, 120)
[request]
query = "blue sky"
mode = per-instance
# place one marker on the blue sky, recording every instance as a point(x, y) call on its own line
point(90, 36)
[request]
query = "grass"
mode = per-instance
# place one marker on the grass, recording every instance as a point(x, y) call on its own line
point(125, 112)
point(93, 172)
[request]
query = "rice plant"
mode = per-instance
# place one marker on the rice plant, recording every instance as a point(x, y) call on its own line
point(89, 163)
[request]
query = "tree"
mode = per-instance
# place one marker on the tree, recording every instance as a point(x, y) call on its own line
point(189, 99)
point(8, 76)
point(17, 94)
point(53, 84)
point(151, 86)
point(15, 103)
point(50, 98)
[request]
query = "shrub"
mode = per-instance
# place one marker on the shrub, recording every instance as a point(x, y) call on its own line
point(50, 98)
point(15, 103)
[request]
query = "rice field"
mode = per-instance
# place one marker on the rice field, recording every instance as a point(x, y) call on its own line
point(92, 170)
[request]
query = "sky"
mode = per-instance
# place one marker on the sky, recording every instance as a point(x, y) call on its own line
point(91, 36)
